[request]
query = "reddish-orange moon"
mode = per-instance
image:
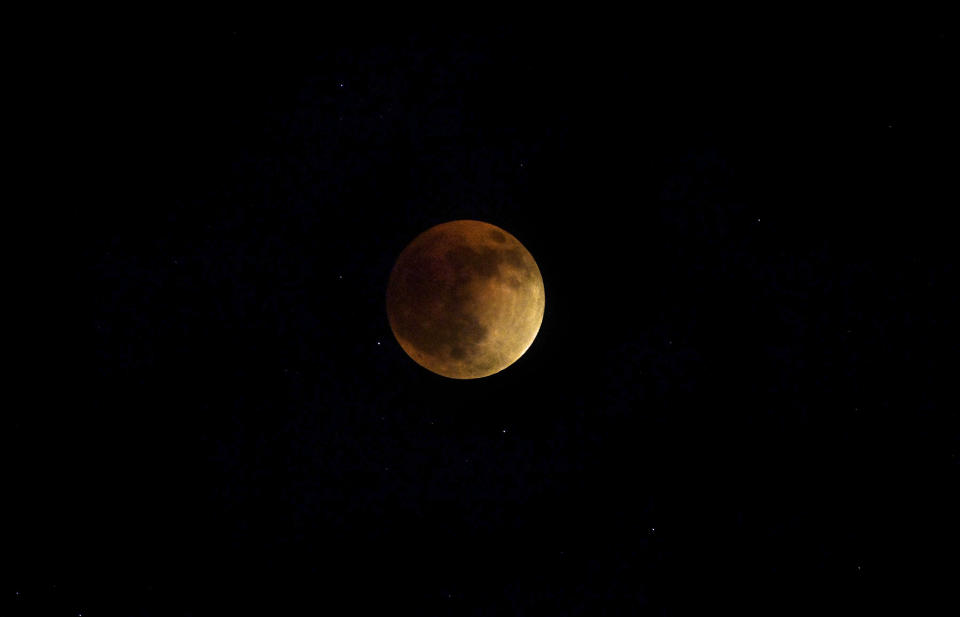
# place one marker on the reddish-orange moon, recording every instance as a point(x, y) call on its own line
point(465, 299)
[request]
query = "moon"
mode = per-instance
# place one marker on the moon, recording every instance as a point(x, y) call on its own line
point(465, 299)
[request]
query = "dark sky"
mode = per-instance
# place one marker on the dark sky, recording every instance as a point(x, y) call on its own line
point(734, 399)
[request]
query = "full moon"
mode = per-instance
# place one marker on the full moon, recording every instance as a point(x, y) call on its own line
point(465, 299)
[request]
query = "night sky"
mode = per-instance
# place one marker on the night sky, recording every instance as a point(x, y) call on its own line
point(734, 403)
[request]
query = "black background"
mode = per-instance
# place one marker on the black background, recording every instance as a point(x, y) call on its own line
point(733, 402)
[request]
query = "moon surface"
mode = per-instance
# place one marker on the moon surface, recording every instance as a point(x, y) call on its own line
point(465, 299)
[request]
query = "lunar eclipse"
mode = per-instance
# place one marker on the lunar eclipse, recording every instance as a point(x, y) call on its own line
point(465, 299)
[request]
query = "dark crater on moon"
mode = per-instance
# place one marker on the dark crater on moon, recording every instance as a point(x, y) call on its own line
point(497, 236)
